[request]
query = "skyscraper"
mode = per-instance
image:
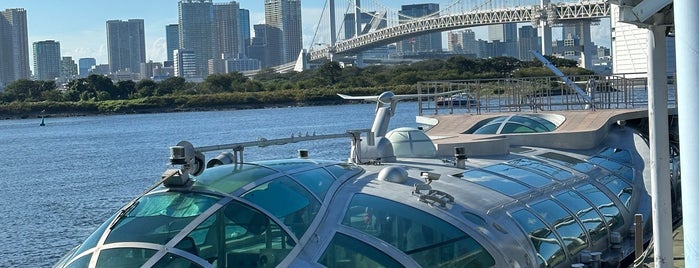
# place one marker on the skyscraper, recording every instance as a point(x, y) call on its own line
point(227, 31)
point(69, 70)
point(244, 24)
point(84, 65)
point(126, 45)
point(528, 40)
point(424, 43)
point(172, 39)
point(506, 34)
point(47, 60)
point(14, 46)
point(285, 15)
point(196, 32)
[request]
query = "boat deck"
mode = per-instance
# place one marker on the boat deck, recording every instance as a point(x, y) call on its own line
point(677, 249)
point(584, 127)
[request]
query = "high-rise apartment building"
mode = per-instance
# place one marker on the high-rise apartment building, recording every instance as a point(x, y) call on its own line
point(424, 43)
point(126, 45)
point(14, 46)
point(84, 65)
point(264, 46)
point(47, 60)
point(69, 70)
point(196, 32)
point(186, 63)
point(172, 39)
point(528, 40)
point(506, 34)
point(285, 15)
point(228, 41)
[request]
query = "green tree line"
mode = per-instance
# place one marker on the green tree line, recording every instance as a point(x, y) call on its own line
point(99, 94)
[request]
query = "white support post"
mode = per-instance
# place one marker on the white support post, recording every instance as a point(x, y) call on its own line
point(659, 145)
point(687, 48)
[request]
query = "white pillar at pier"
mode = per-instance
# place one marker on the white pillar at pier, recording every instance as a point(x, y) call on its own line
point(687, 49)
point(659, 145)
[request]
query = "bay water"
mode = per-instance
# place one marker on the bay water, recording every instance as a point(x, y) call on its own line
point(60, 181)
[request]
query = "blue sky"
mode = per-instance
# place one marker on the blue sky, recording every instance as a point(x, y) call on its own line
point(79, 25)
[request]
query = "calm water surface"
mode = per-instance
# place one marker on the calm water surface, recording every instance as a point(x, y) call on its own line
point(60, 181)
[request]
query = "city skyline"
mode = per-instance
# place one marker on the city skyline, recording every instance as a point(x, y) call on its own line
point(79, 25)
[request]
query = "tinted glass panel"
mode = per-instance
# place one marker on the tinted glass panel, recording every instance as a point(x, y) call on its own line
point(84, 261)
point(586, 213)
point(345, 251)
point(605, 205)
point(612, 166)
point(287, 164)
point(620, 155)
point(159, 217)
point(536, 165)
point(530, 122)
point(229, 178)
point(568, 161)
point(488, 129)
point(239, 236)
point(548, 248)
point(316, 180)
point(568, 229)
point(172, 260)
point(288, 201)
point(516, 128)
point(619, 187)
point(124, 257)
point(341, 170)
point(522, 175)
point(494, 182)
point(429, 240)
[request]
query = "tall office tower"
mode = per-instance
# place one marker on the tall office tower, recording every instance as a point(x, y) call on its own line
point(285, 15)
point(14, 46)
point(172, 39)
point(245, 39)
point(196, 32)
point(84, 65)
point(507, 35)
point(423, 43)
point(126, 45)
point(47, 60)
point(264, 46)
point(464, 42)
point(227, 30)
point(528, 40)
point(69, 69)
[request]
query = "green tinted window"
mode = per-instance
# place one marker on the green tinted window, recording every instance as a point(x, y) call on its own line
point(429, 240)
point(345, 251)
point(619, 187)
point(619, 169)
point(124, 257)
point(228, 178)
point(288, 201)
point(549, 250)
point(519, 174)
point(316, 180)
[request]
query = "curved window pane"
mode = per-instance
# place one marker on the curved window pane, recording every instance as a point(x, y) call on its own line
point(530, 122)
point(228, 178)
point(172, 260)
point(522, 175)
point(341, 170)
point(238, 236)
point(592, 220)
point(614, 167)
point(488, 129)
point(82, 262)
point(621, 155)
point(345, 251)
point(317, 180)
point(605, 205)
point(494, 182)
point(536, 165)
point(124, 257)
point(287, 201)
point(568, 229)
point(572, 162)
point(619, 187)
point(430, 241)
point(159, 217)
point(549, 250)
point(516, 128)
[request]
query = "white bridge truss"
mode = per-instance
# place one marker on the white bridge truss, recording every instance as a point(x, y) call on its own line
point(552, 14)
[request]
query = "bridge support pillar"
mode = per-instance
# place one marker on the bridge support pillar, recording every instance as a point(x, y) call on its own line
point(659, 146)
point(587, 47)
point(545, 31)
point(687, 45)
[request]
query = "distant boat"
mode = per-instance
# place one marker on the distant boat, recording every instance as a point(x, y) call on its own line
point(461, 99)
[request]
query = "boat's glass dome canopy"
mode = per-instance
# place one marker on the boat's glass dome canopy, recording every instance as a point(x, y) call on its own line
point(411, 142)
point(518, 123)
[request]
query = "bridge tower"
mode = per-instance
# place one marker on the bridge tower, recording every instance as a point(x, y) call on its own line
point(358, 30)
point(545, 28)
point(333, 31)
point(586, 42)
